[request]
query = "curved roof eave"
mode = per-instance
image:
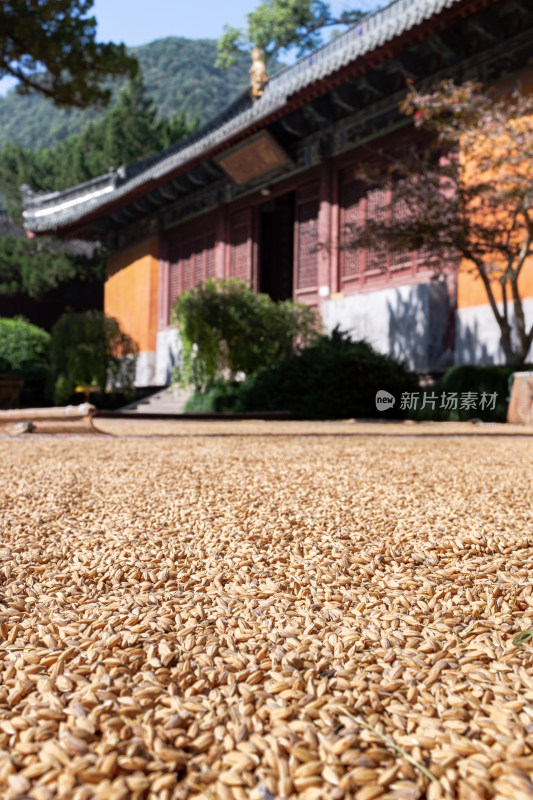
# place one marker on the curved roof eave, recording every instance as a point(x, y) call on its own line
point(46, 212)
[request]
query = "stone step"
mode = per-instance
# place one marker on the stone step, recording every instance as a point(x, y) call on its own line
point(167, 401)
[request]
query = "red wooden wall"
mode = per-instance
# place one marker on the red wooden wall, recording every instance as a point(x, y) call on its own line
point(327, 210)
point(191, 261)
point(240, 250)
point(369, 268)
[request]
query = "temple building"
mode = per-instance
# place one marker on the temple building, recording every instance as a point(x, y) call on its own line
point(267, 190)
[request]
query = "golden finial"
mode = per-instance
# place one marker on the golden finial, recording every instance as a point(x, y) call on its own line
point(258, 75)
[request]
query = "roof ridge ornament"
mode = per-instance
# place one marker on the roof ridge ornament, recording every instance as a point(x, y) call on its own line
point(258, 75)
point(26, 191)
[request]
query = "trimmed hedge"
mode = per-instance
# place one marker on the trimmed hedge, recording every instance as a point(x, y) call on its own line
point(24, 348)
point(221, 396)
point(22, 344)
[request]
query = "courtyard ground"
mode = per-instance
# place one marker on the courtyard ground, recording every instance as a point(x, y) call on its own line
point(267, 610)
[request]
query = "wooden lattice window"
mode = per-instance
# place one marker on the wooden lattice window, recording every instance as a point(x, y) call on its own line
point(174, 273)
point(307, 241)
point(377, 202)
point(399, 213)
point(190, 262)
point(359, 204)
point(174, 283)
point(187, 267)
point(210, 242)
point(353, 210)
point(241, 252)
point(198, 260)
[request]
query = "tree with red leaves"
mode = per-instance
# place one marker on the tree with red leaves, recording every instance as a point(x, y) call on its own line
point(466, 197)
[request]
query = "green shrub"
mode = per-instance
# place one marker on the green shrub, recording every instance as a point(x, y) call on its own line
point(477, 380)
point(22, 343)
point(221, 396)
point(225, 327)
point(90, 348)
point(334, 378)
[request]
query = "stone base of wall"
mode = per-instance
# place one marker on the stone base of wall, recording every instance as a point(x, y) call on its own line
point(167, 355)
point(145, 374)
point(408, 322)
point(477, 335)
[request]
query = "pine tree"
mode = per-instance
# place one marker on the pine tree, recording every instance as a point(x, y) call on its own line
point(51, 48)
point(128, 132)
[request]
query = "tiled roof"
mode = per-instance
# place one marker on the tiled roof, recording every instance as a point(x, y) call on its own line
point(50, 211)
point(72, 247)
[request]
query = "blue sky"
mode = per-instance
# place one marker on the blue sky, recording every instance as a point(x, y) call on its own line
point(137, 22)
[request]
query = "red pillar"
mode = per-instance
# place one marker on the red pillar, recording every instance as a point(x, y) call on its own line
point(324, 232)
point(256, 234)
point(334, 232)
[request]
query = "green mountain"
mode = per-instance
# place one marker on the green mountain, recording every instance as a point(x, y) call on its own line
point(179, 74)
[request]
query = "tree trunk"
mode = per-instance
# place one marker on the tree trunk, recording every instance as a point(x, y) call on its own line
point(514, 356)
point(525, 337)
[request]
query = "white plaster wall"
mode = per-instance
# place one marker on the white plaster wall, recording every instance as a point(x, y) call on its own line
point(145, 371)
point(477, 335)
point(167, 355)
point(406, 322)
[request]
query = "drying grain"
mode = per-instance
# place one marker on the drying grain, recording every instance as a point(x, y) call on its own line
point(265, 611)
